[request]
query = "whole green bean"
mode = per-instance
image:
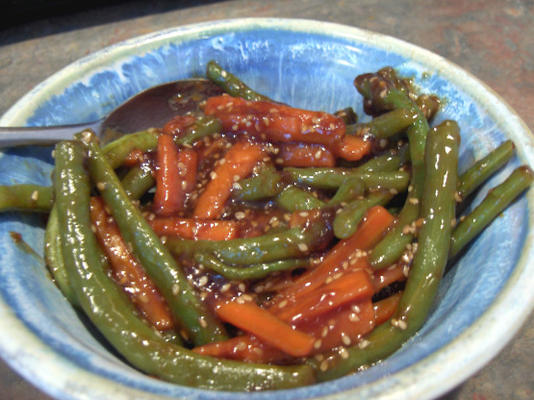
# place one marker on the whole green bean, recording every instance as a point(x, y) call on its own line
point(264, 185)
point(117, 151)
point(159, 264)
point(293, 198)
point(114, 315)
point(293, 243)
point(26, 197)
point(346, 222)
point(493, 204)
point(138, 181)
point(203, 126)
point(54, 257)
point(333, 178)
point(351, 188)
point(388, 124)
point(232, 84)
point(255, 271)
point(480, 171)
point(437, 209)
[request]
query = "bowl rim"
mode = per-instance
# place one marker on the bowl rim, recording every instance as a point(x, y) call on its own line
point(517, 290)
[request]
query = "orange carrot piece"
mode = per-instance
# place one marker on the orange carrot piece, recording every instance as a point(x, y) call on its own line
point(305, 155)
point(238, 164)
point(175, 176)
point(384, 309)
point(251, 318)
point(189, 228)
point(277, 122)
point(127, 271)
point(387, 276)
point(350, 287)
point(244, 348)
point(352, 148)
point(345, 252)
point(341, 327)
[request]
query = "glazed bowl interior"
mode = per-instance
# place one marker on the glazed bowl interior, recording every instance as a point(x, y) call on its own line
point(307, 64)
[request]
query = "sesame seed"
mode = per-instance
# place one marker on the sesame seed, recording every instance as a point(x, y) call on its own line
point(213, 175)
point(345, 339)
point(393, 191)
point(163, 239)
point(317, 344)
point(203, 280)
point(302, 247)
point(282, 304)
point(241, 346)
point(355, 308)
point(175, 289)
point(183, 184)
point(35, 195)
point(362, 344)
point(241, 287)
point(324, 332)
point(324, 366)
point(319, 357)
point(225, 287)
point(318, 154)
point(458, 197)
point(239, 215)
point(353, 317)
point(202, 322)
point(344, 353)
point(413, 200)
point(101, 186)
point(236, 186)
point(247, 297)
point(258, 351)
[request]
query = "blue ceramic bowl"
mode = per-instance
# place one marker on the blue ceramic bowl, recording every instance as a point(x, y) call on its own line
point(308, 64)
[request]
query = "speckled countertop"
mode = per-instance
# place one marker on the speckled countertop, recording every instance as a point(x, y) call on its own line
point(493, 39)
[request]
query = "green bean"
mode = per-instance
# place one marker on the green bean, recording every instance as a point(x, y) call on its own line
point(232, 84)
point(429, 262)
point(114, 315)
point(428, 104)
point(155, 258)
point(26, 198)
point(493, 204)
point(293, 243)
point(117, 151)
point(386, 96)
point(388, 124)
point(390, 161)
point(138, 181)
point(255, 271)
point(351, 188)
point(333, 178)
point(480, 171)
point(54, 257)
point(346, 222)
point(202, 127)
point(264, 185)
point(293, 198)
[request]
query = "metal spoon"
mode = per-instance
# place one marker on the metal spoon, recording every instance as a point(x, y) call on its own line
point(150, 108)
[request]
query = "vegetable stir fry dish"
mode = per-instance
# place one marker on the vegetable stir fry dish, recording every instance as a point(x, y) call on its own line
point(255, 246)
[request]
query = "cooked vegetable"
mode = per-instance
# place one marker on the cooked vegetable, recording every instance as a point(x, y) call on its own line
point(254, 234)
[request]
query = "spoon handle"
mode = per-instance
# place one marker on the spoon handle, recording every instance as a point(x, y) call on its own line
point(42, 135)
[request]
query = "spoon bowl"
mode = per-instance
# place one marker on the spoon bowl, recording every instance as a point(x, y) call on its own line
point(152, 107)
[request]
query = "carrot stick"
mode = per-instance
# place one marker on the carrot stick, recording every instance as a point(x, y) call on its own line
point(175, 176)
point(352, 148)
point(277, 122)
point(350, 287)
point(264, 325)
point(305, 155)
point(244, 348)
point(387, 276)
point(189, 228)
point(346, 253)
point(340, 327)
point(237, 163)
point(127, 271)
point(384, 309)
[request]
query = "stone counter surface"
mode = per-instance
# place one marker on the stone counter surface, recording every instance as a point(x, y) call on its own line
point(493, 39)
